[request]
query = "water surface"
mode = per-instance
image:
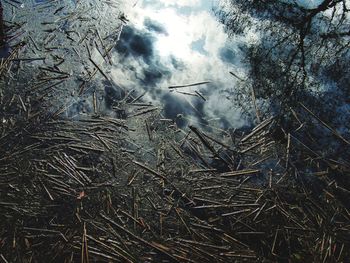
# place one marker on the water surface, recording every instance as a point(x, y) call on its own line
point(168, 43)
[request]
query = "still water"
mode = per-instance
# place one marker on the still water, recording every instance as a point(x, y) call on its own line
point(169, 43)
point(174, 53)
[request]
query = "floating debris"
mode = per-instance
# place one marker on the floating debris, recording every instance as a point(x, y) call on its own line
point(128, 185)
point(189, 85)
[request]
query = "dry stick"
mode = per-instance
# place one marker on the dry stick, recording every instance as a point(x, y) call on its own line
point(70, 164)
point(257, 112)
point(189, 85)
point(194, 149)
point(196, 249)
point(53, 70)
point(110, 258)
point(6, 63)
point(258, 128)
point(84, 37)
point(341, 251)
point(119, 253)
point(296, 116)
point(76, 52)
point(251, 147)
point(130, 96)
point(182, 220)
point(34, 43)
point(208, 227)
point(306, 147)
point(47, 191)
point(95, 102)
point(144, 112)
point(224, 206)
point(100, 70)
point(47, 88)
point(134, 219)
point(236, 212)
point(151, 170)
point(325, 124)
point(183, 195)
point(208, 201)
point(108, 51)
point(102, 141)
point(229, 254)
point(161, 224)
point(84, 248)
point(204, 244)
point(134, 206)
point(288, 151)
point(149, 132)
point(274, 243)
point(187, 93)
point(104, 47)
point(3, 258)
point(152, 245)
point(46, 231)
point(217, 141)
point(213, 170)
point(240, 172)
point(233, 74)
point(28, 59)
point(141, 104)
point(22, 103)
point(82, 86)
point(68, 173)
point(200, 95)
point(132, 179)
point(203, 140)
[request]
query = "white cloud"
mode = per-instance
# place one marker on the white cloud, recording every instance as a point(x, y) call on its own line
point(180, 3)
point(182, 31)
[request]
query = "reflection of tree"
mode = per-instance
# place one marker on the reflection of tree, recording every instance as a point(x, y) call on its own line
point(299, 49)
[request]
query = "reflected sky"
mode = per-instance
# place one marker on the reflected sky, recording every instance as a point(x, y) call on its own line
point(168, 43)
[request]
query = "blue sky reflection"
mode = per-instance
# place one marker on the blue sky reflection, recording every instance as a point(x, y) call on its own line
point(170, 43)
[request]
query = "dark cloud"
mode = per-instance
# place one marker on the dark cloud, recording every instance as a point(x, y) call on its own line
point(152, 71)
point(227, 55)
point(177, 108)
point(153, 75)
point(139, 45)
point(155, 26)
point(177, 64)
point(136, 43)
point(113, 94)
point(173, 106)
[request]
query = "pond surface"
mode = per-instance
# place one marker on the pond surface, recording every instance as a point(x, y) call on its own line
point(174, 53)
point(174, 43)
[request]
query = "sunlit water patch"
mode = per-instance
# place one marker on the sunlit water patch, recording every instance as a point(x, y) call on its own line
point(174, 43)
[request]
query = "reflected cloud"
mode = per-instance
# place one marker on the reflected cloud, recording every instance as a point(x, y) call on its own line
point(136, 43)
point(155, 26)
point(180, 42)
